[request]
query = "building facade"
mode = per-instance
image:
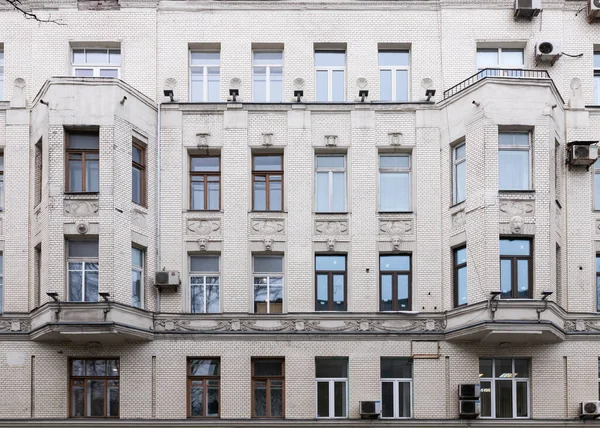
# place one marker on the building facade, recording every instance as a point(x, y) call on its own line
point(242, 213)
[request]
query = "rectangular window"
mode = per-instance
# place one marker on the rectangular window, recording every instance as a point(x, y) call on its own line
point(394, 67)
point(205, 76)
point(205, 183)
point(267, 182)
point(1, 75)
point(459, 173)
point(460, 277)
point(332, 387)
point(94, 388)
point(394, 182)
point(1, 283)
point(267, 76)
point(203, 380)
point(1, 181)
point(511, 59)
point(330, 273)
point(268, 388)
point(268, 284)
point(516, 270)
point(137, 277)
point(514, 162)
point(82, 161)
point(96, 62)
point(596, 77)
point(138, 173)
point(331, 183)
point(204, 284)
point(37, 260)
point(598, 282)
point(599, 378)
point(395, 282)
point(396, 387)
point(504, 388)
point(38, 168)
point(82, 263)
point(596, 185)
point(330, 67)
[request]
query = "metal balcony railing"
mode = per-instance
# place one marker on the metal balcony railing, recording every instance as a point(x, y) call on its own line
point(509, 73)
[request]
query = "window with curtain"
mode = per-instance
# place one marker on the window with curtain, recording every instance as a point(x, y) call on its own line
point(268, 388)
point(96, 62)
point(394, 182)
point(205, 183)
point(395, 282)
point(516, 268)
point(459, 173)
point(394, 67)
point(82, 267)
point(330, 183)
point(268, 284)
point(204, 283)
point(267, 76)
point(396, 387)
point(514, 162)
point(203, 387)
point(332, 387)
point(330, 273)
point(205, 76)
point(330, 67)
point(504, 388)
point(83, 159)
point(460, 277)
point(94, 388)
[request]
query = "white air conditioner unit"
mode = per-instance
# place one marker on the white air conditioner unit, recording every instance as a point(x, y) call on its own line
point(527, 8)
point(469, 390)
point(167, 280)
point(469, 409)
point(590, 409)
point(582, 153)
point(547, 50)
point(593, 10)
point(370, 409)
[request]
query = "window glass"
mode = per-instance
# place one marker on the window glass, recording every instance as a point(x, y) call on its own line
point(331, 161)
point(331, 367)
point(392, 58)
point(396, 262)
point(322, 85)
point(268, 163)
point(338, 85)
point(83, 140)
point(205, 164)
point(268, 57)
point(205, 58)
point(396, 368)
point(200, 367)
point(487, 58)
point(515, 247)
point(268, 264)
point(330, 58)
point(330, 263)
point(513, 139)
point(204, 263)
point(83, 249)
point(512, 58)
point(137, 257)
point(268, 367)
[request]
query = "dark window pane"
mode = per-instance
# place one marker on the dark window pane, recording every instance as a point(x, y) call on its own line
point(330, 263)
point(112, 368)
point(504, 398)
point(485, 368)
point(268, 264)
point(268, 368)
point(204, 263)
point(204, 367)
point(212, 397)
point(113, 398)
point(77, 399)
point(503, 368)
point(81, 140)
point(394, 263)
point(136, 185)
point(332, 367)
point(387, 399)
point(196, 399)
point(95, 367)
point(205, 164)
point(260, 398)
point(95, 398)
point(522, 368)
point(404, 399)
point(506, 278)
point(137, 155)
point(340, 399)
point(396, 368)
point(486, 399)
point(91, 285)
point(276, 398)
point(323, 399)
point(83, 249)
point(522, 399)
point(267, 163)
point(523, 278)
point(78, 368)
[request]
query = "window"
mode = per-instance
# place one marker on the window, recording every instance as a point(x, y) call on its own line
point(37, 277)
point(138, 173)
point(203, 379)
point(1, 74)
point(204, 283)
point(137, 277)
point(513, 161)
point(1, 283)
point(504, 388)
point(596, 77)
point(94, 388)
point(83, 271)
point(205, 76)
point(205, 182)
point(597, 282)
point(459, 173)
point(460, 277)
point(598, 378)
point(1, 181)
point(331, 183)
point(395, 282)
point(267, 180)
point(596, 184)
point(393, 75)
point(515, 268)
point(268, 284)
point(268, 388)
point(38, 168)
point(330, 68)
point(332, 387)
point(396, 388)
point(512, 59)
point(82, 162)
point(330, 272)
point(394, 183)
point(267, 76)
point(93, 62)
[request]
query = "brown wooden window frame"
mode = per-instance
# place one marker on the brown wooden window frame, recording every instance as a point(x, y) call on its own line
point(204, 174)
point(142, 168)
point(267, 176)
point(83, 152)
point(456, 267)
point(85, 378)
point(204, 378)
point(330, 274)
point(395, 274)
point(268, 380)
point(514, 269)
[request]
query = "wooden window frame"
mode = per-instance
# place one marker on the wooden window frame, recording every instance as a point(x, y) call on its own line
point(204, 174)
point(395, 274)
point(596, 287)
point(142, 168)
point(267, 176)
point(456, 267)
point(330, 274)
point(514, 269)
point(268, 379)
point(3, 190)
point(82, 152)
point(85, 378)
point(191, 378)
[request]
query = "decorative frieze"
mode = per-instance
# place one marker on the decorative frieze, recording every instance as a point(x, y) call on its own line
point(138, 219)
point(331, 227)
point(204, 227)
point(459, 219)
point(395, 227)
point(80, 208)
point(266, 226)
point(15, 324)
point(511, 207)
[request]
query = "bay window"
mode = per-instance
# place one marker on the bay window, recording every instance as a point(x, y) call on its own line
point(516, 270)
point(83, 157)
point(82, 267)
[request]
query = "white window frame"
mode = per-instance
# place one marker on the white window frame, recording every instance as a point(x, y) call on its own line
point(204, 68)
point(397, 382)
point(1, 282)
point(455, 163)
point(268, 276)
point(499, 65)
point(384, 170)
point(330, 71)
point(139, 269)
point(518, 148)
point(514, 380)
point(2, 75)
point(95, 67)
point(596, 82)
point(330, 171)
point(393, 69)
point(268, 75)
point(331, 381)
point(83, 261)
point(203, 275)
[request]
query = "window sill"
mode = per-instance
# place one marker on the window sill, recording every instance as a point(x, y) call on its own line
point(457, 204)
point(502, 192)
point(395, 212)
point(267, 212)
point(205, 211)
point(139, 205)
point(331, 213)
point(82, 193)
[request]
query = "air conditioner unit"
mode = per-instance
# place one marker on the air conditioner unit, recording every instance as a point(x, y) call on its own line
point(547, 50)
point(167, 280)
point(527, 8)
point(468, 390)
point(582, 153)
point(370, 409)
point(593, 10)
point(469, 409)
point(589, 409)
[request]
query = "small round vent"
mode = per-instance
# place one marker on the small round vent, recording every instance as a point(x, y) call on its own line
point(590, 408)
point(82, 228)
point(162, 277)
point(546, 48)
point(582, 152)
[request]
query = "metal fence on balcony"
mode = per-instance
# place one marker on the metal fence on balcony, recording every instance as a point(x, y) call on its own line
point(509, 73)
